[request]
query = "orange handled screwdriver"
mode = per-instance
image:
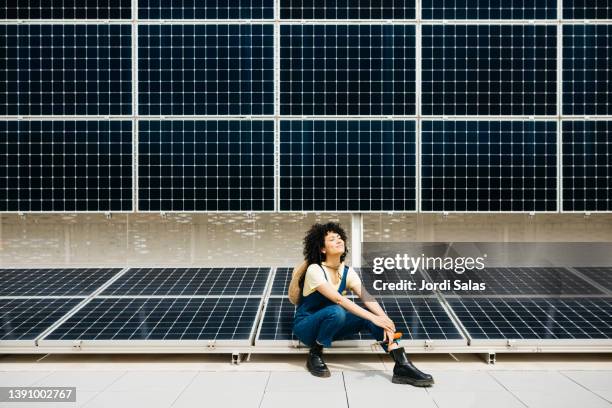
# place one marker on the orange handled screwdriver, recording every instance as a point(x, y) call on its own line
point(396, 336)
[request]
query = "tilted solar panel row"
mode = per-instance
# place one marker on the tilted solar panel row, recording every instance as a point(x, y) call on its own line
point(166, 304)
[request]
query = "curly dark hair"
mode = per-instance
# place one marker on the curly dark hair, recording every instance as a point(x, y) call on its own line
point(314, 241)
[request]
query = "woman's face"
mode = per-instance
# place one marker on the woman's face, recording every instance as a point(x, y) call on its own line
point(334, 245)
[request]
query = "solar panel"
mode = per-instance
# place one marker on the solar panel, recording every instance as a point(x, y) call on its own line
point(347, 9)
point(161, 319)
point(282, 278)
point(206, 10)
point(535, 281)
point(601, 275)
point(206, 166)
point(66, 69)
point(347, 166)
point(26, 319)
point(489, 9)
point(416, 318)
point(587, 9)
point(66, 9)
point(66, 165)
point(54, 282)
point(488, 166)
point(543, 319)
point(587, 166)
point(189, 282)
point(215, 69)
point(587, 89)
point(347, 70)
point(489, 69)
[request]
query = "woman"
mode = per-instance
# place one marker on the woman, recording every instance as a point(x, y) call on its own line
point(324, 314)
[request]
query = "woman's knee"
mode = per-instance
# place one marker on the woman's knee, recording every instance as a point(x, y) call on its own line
point(336, 313)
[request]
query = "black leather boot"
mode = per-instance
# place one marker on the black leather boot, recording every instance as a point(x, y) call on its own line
point(404, 372)
point(315, 363)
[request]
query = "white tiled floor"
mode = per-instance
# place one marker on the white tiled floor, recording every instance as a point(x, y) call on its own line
point(281, 381)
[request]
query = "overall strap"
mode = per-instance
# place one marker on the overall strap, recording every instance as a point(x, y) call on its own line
point(343, 282)
point(324, 273)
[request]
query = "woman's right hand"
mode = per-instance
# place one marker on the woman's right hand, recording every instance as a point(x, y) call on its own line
point(384, 322)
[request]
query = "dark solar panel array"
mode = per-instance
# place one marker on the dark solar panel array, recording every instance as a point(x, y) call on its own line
point(489, 9)
point(587, 9)
point(544, 281)
point(66, 165)
point(53, 282)
point(489, 70)
point(26, 319)
point(206, 166)
point(347, 70)
point(347, 166)
point(488, 166)
point(66, 69)
point(66, 9)
point(587, 89)
point(347, 9)
point(587, 166)
point(601, 275)
point(161, 319)
point(543, 319)
point(206, 10)
point(189, 282)
point(214, 69)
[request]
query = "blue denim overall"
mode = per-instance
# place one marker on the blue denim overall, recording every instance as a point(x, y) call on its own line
point(318, 318)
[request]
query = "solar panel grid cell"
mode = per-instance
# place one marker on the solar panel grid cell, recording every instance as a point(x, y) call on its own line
point(66, 165)
point(488, 166)
point(206, 69)
point(66, 69)
point(348, 166)
point(206, 166)
point(587, 166)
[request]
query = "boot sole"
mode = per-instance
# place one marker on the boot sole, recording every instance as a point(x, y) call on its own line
point(323, 374)
point(411, 381)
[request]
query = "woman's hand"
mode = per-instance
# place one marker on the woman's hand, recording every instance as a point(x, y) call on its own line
point(388, 337)
point(384, 322)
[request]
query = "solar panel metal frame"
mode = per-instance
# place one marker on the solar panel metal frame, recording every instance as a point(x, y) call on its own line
point(534, 344)
point(157, 346)
point(135, 277)
point(596, 290)
point(587, 274)
point(112, 272)
point(31, 345)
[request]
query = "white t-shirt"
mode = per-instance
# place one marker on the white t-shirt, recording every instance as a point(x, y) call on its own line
point(314, 277)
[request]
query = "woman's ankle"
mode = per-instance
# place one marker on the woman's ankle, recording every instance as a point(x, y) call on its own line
point(393, 345)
